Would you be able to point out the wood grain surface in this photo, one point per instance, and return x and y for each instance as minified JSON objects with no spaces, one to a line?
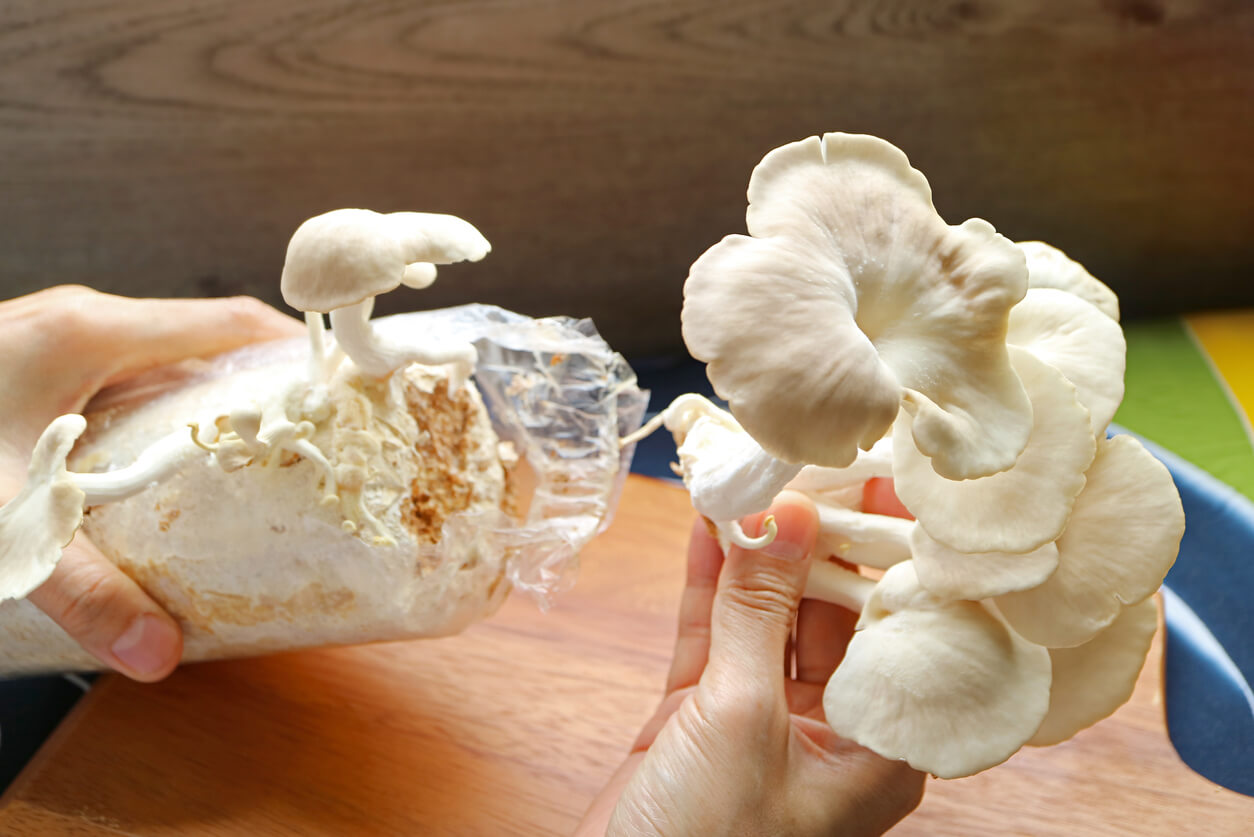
{"x":170,"y":147}
{"x":512,"y":727}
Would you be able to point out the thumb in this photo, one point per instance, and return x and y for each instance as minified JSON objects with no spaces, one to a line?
{"x":759,"y":592}
{"x":109,"y":614}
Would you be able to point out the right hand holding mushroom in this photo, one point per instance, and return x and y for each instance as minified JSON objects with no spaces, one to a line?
{"x":739,"y":744}
{"x":61,"y":346}
{"x":857,"y":336}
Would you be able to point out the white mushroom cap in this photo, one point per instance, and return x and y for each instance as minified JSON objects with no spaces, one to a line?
{"x":1120,"y":542}
{"x":950,"y":574}
{"x":944,"y":685}
{"x":1082,"y":343}
{"x":342,"y":257}
{"x":1092,"y":680}
{"x":1017,"y":510}
{"x":850,"y":295}
{"x":1049,"y":267}
{"x":42,"y":519}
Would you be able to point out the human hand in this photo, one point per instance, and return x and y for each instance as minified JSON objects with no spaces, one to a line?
{"x":739,"y":744}
{"x":59,"y":348}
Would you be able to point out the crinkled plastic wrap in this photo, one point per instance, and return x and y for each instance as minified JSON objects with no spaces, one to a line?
{"x":250,"y":562}
{"x":563,"y":398}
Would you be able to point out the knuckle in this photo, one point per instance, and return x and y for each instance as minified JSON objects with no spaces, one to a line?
{"x":700,"y":715}
{"x":243,"y":307}
{"x":763,"y":595}
{"x":247,"y":311}
{"x":62,"y":293}
{"x":249,"y":315}
{"x":71,"y":312}
{"x":696,"y":626}
{"x":97,"y":599}
{"x":747,"y":709}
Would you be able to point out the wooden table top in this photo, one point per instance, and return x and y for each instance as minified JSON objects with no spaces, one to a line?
{"x":511,"y":728}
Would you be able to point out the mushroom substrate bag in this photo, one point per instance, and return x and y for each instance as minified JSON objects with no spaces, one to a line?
{"x":447,"y":500}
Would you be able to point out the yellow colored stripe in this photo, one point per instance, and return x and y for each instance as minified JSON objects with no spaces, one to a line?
{"x":1228,"y":340}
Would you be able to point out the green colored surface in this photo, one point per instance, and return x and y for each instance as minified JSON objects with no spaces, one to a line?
{"x":1174,"y":399}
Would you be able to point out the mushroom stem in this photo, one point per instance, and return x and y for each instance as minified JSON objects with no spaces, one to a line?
{"x":157,"y":463}
{"x":317,"y":345}
{"x":310,"y":451}
{"x":644,"y":431}
{"x":733,"y":532}
{"x":246,"y":422}
{"x":841,"y":527}
{"x":208,"y":447}
{"x":679,"y":416}
{"x":876,"y":462}
{"x":830,"y":582}
{"x":378,"y":355}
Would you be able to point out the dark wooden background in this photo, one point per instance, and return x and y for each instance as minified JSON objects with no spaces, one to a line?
{"x":170,"y":147}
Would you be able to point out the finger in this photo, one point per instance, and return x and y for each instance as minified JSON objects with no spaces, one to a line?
{"x":804,"y":699}
{"x":758,"y":594}
{"x":649,"y":732}
{"x":122,"y":336}
{"x":74,"y":341}
{"x":144,"y":333}
{"x":596,"y":821}
{"x":109,"y":614}
{"x":790,"y":650}
{"x":692,"y":643}
{"x":598,"y":815}
{"x":866,"y":793}
{"x":823,"y":633}
{"x":880,"y":497}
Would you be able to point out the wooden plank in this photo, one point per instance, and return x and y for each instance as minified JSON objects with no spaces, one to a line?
{"x":171,"y":147}
{"x":511,"y":728}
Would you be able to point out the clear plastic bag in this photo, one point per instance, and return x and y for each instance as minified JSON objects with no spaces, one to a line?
{"x":563,"y":398}
{"x":209,"y":547}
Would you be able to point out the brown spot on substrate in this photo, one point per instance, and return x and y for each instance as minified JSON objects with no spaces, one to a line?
{"x":204,"y":609}
{"x":168,"y":518}
{"x":439,"y":490}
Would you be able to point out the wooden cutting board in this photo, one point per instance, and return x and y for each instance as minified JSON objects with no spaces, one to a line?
{"x":511,"y":728}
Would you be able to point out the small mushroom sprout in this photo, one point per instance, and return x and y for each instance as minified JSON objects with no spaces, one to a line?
{"x":860,"y":342}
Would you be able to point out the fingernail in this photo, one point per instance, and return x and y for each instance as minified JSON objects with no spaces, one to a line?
{"x":787,"y":544}
{"x":147,"y":645}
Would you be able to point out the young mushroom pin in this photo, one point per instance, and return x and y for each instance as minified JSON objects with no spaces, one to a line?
{"x":338,"y":262}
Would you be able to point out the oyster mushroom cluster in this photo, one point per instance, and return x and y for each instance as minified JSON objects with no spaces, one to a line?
{"x":858,"y":337}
